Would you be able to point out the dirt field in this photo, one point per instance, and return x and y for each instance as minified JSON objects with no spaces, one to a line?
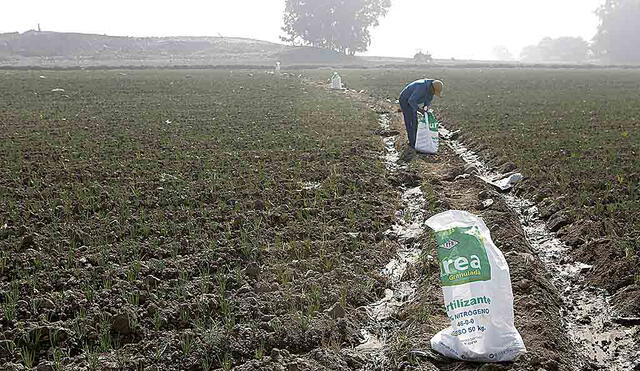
{"x":218,"y":220}
{"x":183,"y":220}
{"x":574,"y":134}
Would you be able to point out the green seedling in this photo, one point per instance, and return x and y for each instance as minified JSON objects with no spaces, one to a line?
{"x":157,"y":320}
{"x":58,"y":358}
{"x":206,"y":363}
{"x":303,"y":320}
{"x":134,"y":298}
{"x":9,"y":306}
{"x":186,"y":343}
{"x":313,"y":299}
{"x":92,"y":357}
{"x":226,"y":362}
{"x":343,"y":297}
{"x":107,"y":283}
{"x":221,"y":280}
{"x":134,"y":271}
{"x":88,"y":291}
{"x":284,"y":276}
{"x":185,"y":315}
{"x":28,"y":357}
{"x":259,"y":352}
{"x":106,"y":342}
{"x":3,"y":261}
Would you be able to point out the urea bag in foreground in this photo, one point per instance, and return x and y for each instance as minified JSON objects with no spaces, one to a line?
{"x":477,"y":292}
{"x":427,"y":139}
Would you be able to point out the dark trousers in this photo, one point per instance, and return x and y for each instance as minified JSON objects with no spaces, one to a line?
{"x":410,"y":121}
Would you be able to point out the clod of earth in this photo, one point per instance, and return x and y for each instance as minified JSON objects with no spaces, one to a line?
{"x":454,"y":135}
{"x":508,"y":167}
{"x":5,"y":347}
{"x":253,"y":270}
{"x":627,"y":321}
{"x":548,"y":207}
{"x":27,"y":241}
{"x":485,"y":194}
{"x":575,"y":241}
{"x":407,"y":179}
{"x":386,"y":132}
{"x":151,"y":281}
{"x":121,"y":324}
{"x":471,"y":169}
{"x":558,"y":220}
{"x":45,"y":366}
{"x":336,"y":311}
{"x":492,"y":367}
{"x":454,"y":173}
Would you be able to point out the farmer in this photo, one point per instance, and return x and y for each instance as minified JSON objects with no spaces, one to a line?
{"x":417,"y":93}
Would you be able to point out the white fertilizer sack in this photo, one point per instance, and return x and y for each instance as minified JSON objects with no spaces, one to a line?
{"x":477,"y":292}
{"x":336,"y":81}
{"x":427,"y":139}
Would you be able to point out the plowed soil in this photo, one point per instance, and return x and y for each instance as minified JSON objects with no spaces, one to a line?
{"x":199,"y":220}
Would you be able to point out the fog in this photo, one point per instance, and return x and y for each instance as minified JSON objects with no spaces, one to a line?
{"x":464,"y":29}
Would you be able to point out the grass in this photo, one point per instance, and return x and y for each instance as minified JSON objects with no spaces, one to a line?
{"x":150,"y":192}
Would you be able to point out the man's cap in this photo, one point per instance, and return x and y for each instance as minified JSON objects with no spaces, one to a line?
{"x":437,"y":87}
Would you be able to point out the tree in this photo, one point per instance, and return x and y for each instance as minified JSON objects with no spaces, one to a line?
{"x":562,"y":49}
{"x":421,"y":57}
{"x":618,"y":37}
{"x":502,"y":53}
{"x":340,"y":25}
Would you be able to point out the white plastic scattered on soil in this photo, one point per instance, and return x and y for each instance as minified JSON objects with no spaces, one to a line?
{"x":487,"y":203}
{"x":391,"y":155}
{"x":307,"y":186}
{"x":371,"y":342}
{"x":408,"y":227}
{"x":506,"y":181}
{"x":587,"y":313}
{"x":164,"y":177}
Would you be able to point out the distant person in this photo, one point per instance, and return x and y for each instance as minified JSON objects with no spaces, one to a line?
{"x":417,"y":97}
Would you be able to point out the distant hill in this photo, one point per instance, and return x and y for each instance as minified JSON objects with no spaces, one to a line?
{"x":60,"y":46}
{"x":46,"y":49}
{"x":61,"y":49}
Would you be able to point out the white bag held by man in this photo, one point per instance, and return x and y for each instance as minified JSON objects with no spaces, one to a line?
{"x":427,"y":139}
{"x":477,"y":292}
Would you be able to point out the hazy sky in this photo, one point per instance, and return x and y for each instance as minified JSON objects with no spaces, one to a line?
{"x":447,"y":28}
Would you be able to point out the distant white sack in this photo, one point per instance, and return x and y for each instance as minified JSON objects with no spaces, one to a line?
{"x":336,"y":81}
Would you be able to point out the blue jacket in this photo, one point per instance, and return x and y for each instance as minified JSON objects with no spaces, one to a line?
{"x":417,"y":92}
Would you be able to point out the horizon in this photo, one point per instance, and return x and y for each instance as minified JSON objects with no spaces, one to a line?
{"x":477,"y":29}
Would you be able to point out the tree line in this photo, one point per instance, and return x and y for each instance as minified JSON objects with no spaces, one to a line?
{"x":616,"y":41}
{"x":344,"y":26}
